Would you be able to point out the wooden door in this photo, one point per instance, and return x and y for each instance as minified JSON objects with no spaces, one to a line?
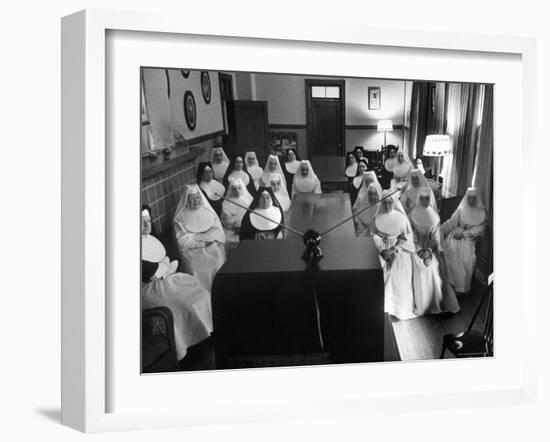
{"x":248,"y":128}
{"x":325,"y":104}
{"x":226,"y":94}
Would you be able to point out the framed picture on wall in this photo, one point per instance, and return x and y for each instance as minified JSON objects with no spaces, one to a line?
{"x":374,"y":98}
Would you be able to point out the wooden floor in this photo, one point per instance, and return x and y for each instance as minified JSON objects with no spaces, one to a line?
{"x":422,"y":338}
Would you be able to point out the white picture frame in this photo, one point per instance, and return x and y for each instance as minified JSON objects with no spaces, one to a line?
{"x":86,"y":234}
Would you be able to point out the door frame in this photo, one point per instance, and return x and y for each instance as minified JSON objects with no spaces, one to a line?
{"x":309,"y":127}
{"x":221,"y":77}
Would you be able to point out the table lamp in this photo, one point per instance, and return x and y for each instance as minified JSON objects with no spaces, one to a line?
{"x":437,"y":146}
{"x":385,"y":126}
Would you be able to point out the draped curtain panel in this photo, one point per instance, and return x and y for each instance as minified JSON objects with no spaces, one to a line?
{"x":465,"y":112}
{"x":464,"y":104}
{"x":484,"y":179}
{"x":419,"y":118}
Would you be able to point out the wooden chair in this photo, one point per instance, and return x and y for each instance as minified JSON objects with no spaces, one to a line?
{"x":474,"y":343}
{"x":158,"y":346}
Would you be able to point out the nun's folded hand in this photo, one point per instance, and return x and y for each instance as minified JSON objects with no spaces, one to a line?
{"x":401,"y":238}
{"x":387,"y":254}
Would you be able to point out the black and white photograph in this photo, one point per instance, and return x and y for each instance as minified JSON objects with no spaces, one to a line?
{"x":297,"y":220}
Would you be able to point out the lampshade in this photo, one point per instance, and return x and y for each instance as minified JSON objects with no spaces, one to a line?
{"x":385,"y":126}
{"x":437,"y":146}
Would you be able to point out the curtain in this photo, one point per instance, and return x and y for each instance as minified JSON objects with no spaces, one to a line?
{"x":427,"y":117}
{"x":418,"y":119}
{"x":483,"y":179}
{"x":463,"y":107}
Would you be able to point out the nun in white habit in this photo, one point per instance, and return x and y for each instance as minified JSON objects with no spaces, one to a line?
{"x":236,"y":196}
{"x":220,"y":163}
{"x":432,"y":293}
{"x":461,"y":230}
{"x":401,"y":170}
{"x":369,"y":178}
{"x":200,"y":236}
{"x":276,"y":184}
{"x":393,"y":238}
{"x":253,"y":168}
{"x":305,"y":180}
{"x":161,"y":285}
{"x":409,"y":195}
{"x":366,"y":210}
{"x":272,"y":165}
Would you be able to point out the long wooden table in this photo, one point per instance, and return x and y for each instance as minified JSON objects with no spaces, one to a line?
{"x":320,"y":212}
{"x":271,"y":309}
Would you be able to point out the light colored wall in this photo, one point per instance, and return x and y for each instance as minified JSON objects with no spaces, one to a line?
{"x":158,"y":106}
{"x":209,"y":116}
{"x":391,"y":101}
{"x":243,"y":84}
{"x":167,"y":114}
{"x":285,"y":95}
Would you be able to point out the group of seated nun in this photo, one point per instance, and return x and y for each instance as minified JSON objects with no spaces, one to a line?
{"x":425,"y":264}
{"x":215,"y":214}
{"x":162,"y":285}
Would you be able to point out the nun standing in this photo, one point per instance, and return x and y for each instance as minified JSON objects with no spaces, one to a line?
{"x":357,"y":181}
{"x":238,"y":170}
{"x":461,"y":231}
{"x":432,"y":292}
{"x":200,"y":236}
{"x":305,"y":180}
{"x":212,"y":189}
{"x":220,"y":163}
{"x":279,"y":190}
{"x":292,"y":163}
{"x":264,"y":217}
{"x":365,"y":210}
{"x":161,"y":285}
{"x":253,"y":167}
{"x":393,"y":238}
{"x":237,"y":198}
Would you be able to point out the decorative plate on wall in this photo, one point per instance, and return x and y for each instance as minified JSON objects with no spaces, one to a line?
{"x":190,"y":110}
{"x":206,"y":87}
{"x":185,"y":73}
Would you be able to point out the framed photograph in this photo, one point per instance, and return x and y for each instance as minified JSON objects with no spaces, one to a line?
{"x":206,"y":87}
{"x":190,"y":110}
{"x":105,"y":186}
{"x":374,"y":98}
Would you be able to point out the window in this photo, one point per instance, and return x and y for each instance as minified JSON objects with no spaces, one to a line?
{"x":325,"y":92}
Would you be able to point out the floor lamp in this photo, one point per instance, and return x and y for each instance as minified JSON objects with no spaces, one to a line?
{"x":385,"y":126}
{"x":437,"y":146}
